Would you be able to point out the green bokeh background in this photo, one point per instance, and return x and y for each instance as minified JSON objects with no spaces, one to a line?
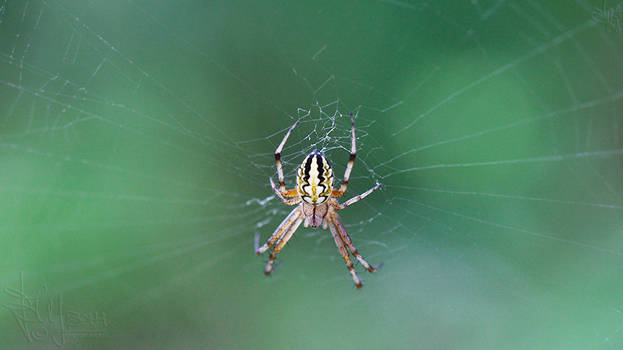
{"x":136,"y":142}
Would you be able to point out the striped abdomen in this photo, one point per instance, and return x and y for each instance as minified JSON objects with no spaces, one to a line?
{"x":315,"y":179}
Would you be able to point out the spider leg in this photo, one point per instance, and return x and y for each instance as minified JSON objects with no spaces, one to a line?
{"x":351,"y":161}
{"x":346,"y":239}
{"x":340,"y":246}
{"x":283,"y":227}
{"x":355,"y":199}
{"x":280,"y":244}
{"x":282,"y":184}
{"x":281,"y":196}
{"x":291,"y":193}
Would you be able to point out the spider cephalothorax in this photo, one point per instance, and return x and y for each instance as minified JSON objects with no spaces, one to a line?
{"x":317,"y":206}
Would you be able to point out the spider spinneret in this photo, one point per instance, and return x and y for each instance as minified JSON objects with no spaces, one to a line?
{"x":317,"y":205}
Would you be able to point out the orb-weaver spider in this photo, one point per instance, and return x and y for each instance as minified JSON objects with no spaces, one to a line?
{"x":315,"y":195}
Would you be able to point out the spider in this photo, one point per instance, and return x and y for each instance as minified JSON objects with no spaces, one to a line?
{"x":317,"y":205}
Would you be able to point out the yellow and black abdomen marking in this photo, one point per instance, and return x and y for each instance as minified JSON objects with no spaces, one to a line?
{"x":315,"y":179}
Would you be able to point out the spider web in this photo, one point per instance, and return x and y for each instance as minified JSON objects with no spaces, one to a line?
{"x":137,"y":139}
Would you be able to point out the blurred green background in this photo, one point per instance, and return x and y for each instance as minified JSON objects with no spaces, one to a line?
{"x":136,"y":142}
